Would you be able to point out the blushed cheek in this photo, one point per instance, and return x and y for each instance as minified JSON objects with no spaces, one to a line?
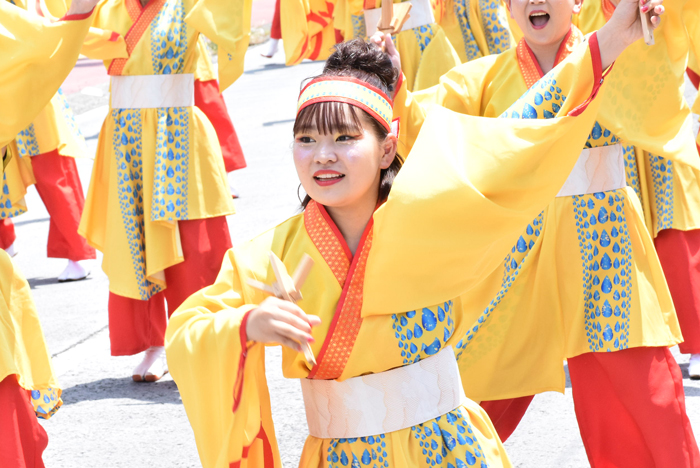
{"x":303,"y":158}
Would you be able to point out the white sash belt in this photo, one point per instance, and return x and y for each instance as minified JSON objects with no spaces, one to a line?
{"x":597,"y":170}
{"x":152,"y":91}
{"x":385,"y":402}
{"x":421,"y":14}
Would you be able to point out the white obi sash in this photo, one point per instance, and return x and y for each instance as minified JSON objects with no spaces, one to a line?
{"x":421,"y":15}
{"x":384,"y":402}
{"x":597,"y":170}
{"x":152,"y":91}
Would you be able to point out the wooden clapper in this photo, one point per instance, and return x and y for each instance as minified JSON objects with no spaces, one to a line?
{"x":393,"y":16}
{"x":288,"y":288}
{"x":647,"y":30}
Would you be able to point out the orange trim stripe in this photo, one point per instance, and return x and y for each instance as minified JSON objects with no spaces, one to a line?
{"x":328,"y":240}
{"x":135,"y":33}
{"x":530,"y":68}
{"x":608,"y":9}
{"x":347,"y":319}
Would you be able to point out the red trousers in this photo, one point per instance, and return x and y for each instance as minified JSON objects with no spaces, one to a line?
{"x":60,"y":189}
{"x":630,"y":408}
{"x":679,"y":253}
{"x":22,"y":439}
{"x":694,"y":78}
{"x":276,"y":29}
{"x":210,"y":101}
{"x":134,"y":325}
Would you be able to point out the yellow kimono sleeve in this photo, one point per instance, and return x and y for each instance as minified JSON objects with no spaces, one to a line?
{"x":468,"y":189}
{"x":459,"y":90}
{"x":102,"y":44}
{"x":226,"y":23}
{"x":644,"y":102}
{"x":209,"y":362}
{"x":36,"y":57}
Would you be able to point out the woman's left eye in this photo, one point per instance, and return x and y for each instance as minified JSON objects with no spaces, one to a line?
{"x":345,"y":138}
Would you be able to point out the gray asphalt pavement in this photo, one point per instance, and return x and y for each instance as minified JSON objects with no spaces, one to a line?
{"x":108,"y":420}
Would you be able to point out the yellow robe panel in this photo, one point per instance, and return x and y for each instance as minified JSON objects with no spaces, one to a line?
{"x":169,"y":157}
{"x":307,"y":29}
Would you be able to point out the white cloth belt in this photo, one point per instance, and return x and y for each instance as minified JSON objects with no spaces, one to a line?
{"x":421,"y":14}
{"x":152,"y":91}
{"x":388,"y":401}
{"x":597,"y":170}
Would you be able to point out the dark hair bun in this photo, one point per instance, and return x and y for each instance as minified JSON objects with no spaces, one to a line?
{"x":364,"y":61}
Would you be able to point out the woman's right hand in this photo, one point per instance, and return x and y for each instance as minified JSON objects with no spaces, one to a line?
{"x":386,"y":44}
{"x":283,"y":322}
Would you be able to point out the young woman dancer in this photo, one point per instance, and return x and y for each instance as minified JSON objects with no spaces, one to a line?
{"x":583,"y":282}
{"x":158,"y":196}
{"x":388,"y":289}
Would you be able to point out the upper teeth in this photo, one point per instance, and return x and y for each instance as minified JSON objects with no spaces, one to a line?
{"x":539,"y":13}
{"x":328,"y":176}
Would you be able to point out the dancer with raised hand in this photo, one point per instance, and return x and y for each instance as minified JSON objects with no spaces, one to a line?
{"x":582,"y":282}
{"x":667,"y":187}
{"x":386,"y":297}
{"x":37,"y":55}
{"x":159,"y":196}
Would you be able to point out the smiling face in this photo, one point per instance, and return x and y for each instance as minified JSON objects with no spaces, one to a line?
{"x":544,"y":23}
{"x":340,"y":167}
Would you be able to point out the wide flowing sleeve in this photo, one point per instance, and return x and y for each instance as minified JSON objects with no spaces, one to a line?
{"x":471,"y":185}
{"x":36,"y":57}
{"x":227,"y":24}
{"x":644,"y":102}
{"x":459,"y":90}
{"x":220,"y":376}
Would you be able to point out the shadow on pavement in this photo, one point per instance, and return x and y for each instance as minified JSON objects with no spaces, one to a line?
{"x":38,"y":282}
{"x":31,"y":221}
{"x":164,"y":392}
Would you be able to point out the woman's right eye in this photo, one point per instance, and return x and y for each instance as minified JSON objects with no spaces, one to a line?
{"x":304,"y":139}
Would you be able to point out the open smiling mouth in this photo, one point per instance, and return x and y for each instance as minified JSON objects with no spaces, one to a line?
{"x":328,"y":179}
{"x":539,"y":19}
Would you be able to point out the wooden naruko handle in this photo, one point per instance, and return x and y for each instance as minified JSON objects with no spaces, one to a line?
{"x":647,"y":28}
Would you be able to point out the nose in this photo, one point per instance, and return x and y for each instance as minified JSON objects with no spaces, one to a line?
{"x":325,"y":153}
{"x":537,"y":2}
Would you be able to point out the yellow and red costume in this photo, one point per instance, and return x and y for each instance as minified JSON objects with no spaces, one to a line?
{"x":393,"y":305}
{"x":583,"y":282}
{"x":158,"y":196}
{"x":36,"y":55}
{"x":670,"y":193}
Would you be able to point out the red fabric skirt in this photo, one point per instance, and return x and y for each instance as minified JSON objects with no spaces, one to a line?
{"x":210,"y":101}
{"x":276,"y":30}
{"x":679,"y":253}
{"x":59,"y":187}
{"x":630,"y":408}
{"x":7,"y":233}
{"x":506,"y":414}
{"x":694,"y":78}
{"x":134,"y":325}
{"x":22,"y":439}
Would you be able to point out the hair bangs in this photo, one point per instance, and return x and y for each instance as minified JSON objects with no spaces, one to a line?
{"x":328,"y":118}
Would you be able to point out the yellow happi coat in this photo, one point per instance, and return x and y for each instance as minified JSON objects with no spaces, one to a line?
{"x":426,"y":53}
{"x":53,"y":129}
{"x":668,"y":188}
{"x":583,"y":276}
{"x":36,"y":55}
{"x":477,"y":28}
{"x":157,"y":166}
{"x":452,"y":213}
